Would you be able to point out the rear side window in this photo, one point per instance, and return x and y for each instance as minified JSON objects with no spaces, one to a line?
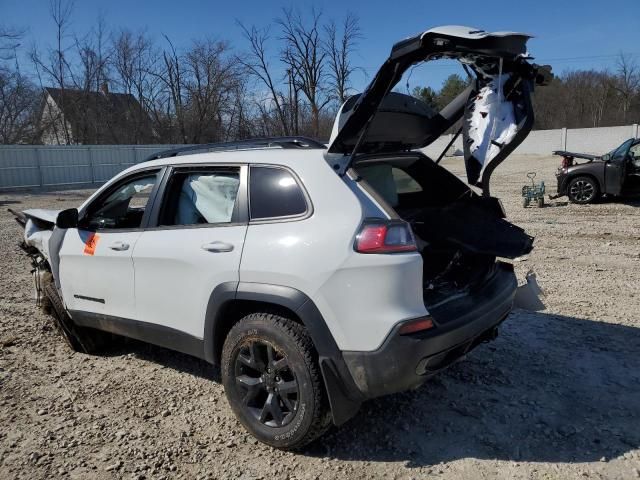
{"x":273,"y":193}
{"x":201,"y":196}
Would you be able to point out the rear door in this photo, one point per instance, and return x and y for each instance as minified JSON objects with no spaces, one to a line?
{"x":194,"y":243}
{"x":96,"y":270}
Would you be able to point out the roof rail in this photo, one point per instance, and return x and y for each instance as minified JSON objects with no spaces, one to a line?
{"x":257,"y":143}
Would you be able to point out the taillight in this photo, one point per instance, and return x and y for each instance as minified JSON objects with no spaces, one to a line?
{"x":380,"y":236}
{"x":566,"y":162}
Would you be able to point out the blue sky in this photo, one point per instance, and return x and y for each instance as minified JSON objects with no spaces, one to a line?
{"x":570,"y":34}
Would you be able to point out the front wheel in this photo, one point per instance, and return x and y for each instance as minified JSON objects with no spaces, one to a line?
{"x":582,"y":190}
{"x":272,"y":381}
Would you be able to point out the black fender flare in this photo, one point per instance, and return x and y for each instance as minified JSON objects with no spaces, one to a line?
{"x":344,"y":396}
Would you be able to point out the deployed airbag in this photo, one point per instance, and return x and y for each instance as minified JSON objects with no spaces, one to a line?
{"x":211,"y":197}
{"x":490,"y":123}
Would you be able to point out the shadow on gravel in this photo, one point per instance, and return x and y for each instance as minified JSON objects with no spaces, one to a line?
{"x":550,"y":389}
{"x":162,"y":356}
{"x":632,"y":201}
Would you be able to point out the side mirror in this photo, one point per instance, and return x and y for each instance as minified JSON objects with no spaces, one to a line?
{"x":67,"y":218}
{"x":606,"y":157}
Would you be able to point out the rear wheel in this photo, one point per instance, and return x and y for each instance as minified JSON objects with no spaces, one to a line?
{"x":272,"y":381}
{"x":582,"y":190}
{"x":540,"y":202}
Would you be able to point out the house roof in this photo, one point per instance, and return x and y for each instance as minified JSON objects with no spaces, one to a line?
{"x":102,"y":118}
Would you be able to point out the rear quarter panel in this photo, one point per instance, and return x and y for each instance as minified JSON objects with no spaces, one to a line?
{"x":359,"y":296}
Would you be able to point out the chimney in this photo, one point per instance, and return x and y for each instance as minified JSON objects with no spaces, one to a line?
{"x":104,"y":88}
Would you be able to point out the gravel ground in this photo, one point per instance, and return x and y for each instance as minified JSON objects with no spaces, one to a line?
{"x":556,"y":396}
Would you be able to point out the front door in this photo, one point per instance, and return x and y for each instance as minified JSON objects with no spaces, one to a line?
{"x":631,"y":184}
{"x":96,"y":269}
{"x":614,"y":169}
{"x":194,"y":246}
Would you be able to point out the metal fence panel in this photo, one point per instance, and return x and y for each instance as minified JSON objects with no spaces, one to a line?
{"x":19,"y":167}
{"x":107,"y":161}
{"x":65,"y":167}
{"x":45,"y":166}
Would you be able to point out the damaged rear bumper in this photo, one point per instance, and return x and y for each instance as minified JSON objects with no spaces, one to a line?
{"x":405,"y":362}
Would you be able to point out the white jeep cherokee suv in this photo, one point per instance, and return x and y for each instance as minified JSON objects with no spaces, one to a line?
{"x":315,"y":277}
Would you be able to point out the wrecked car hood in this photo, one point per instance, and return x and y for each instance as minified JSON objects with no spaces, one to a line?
{"x":496,"y":106}
{"x":38,"y":226}
{"x":586,"y":156}
{"x":42,"y":214}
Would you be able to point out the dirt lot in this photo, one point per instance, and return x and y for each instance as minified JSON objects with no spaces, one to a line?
{"x":556,"y":396}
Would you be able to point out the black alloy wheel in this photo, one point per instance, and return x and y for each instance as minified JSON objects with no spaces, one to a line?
{"x":272,"y":380}
{"x":270,"y":386}
{"x":582,"y":190}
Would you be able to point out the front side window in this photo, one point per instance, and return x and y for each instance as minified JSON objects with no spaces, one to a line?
{"x":123,"y":207}
{"x":202,"y":196}
{"x":274,"y":192}
{"x":620,"y":153}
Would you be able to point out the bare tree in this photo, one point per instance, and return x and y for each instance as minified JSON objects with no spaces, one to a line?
{"x":211,"y":83}
{"x":18,"y":103}
{"x":172,"y":75}
{"x":340,"y":47}
{"x":55,"y":66}
{"x":133,"y":61}
{"x":627,"y":82}
{"x":305,"y":56}
{"x":93,"y":53}
{"x":9,"y":41}
{"x":257,"y":65}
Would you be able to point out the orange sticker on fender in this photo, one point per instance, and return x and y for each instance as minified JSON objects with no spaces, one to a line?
{"x":91,"y":244}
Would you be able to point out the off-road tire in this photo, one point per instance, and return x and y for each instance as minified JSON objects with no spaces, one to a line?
{"x":582,"y":190}
{"x":290,"y":343}
{"x":540,"y":202}
{"x":79,"y":339}
{"x":525,"y":202}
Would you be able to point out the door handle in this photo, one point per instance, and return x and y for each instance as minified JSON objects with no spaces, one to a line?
{"x":217,"y":247}
{"x":119,"y":246}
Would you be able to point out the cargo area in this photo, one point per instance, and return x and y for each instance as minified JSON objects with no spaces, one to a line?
{"x":459,"y":233}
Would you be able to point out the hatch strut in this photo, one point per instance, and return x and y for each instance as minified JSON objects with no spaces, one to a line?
{"x":361,"y":138}
{"x":449,"y":145}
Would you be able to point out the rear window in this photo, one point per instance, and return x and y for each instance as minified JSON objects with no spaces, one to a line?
{"x":274,"y":193}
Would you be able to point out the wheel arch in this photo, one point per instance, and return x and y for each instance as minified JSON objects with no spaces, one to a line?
{"x":230,"y":301}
